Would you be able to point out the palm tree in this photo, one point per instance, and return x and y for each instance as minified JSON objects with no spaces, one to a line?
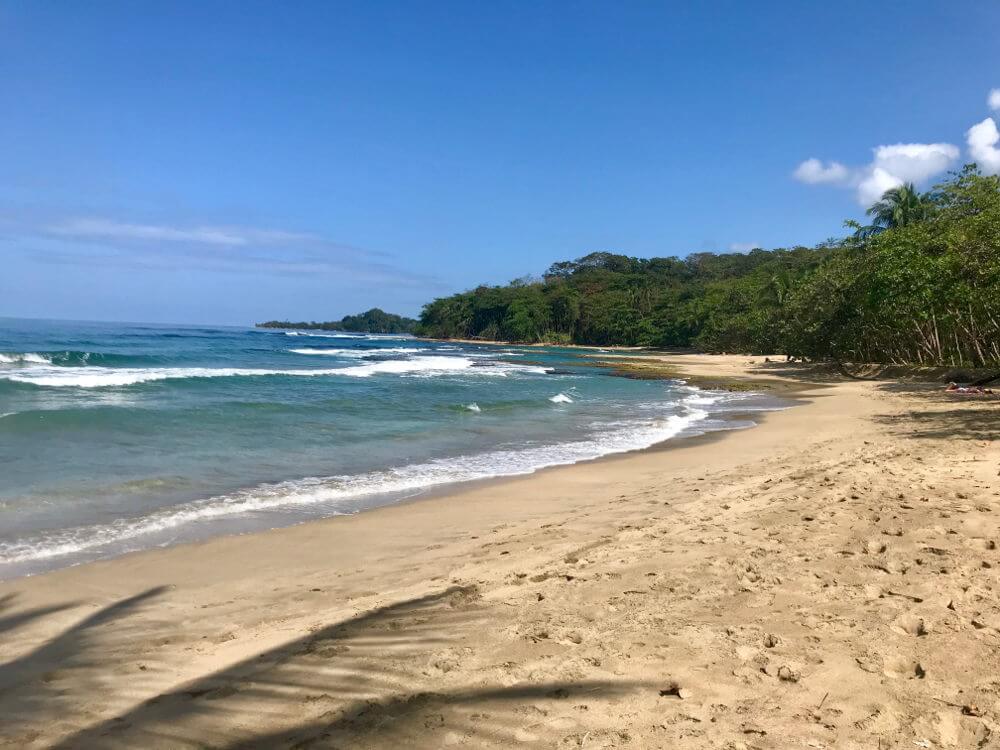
{"x":898,"y":207}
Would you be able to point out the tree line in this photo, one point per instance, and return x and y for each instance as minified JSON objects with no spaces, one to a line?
{"x":919,"y":284}
{"x":372,"y":321}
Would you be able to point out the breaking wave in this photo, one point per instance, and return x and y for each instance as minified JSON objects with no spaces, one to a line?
{"x":109,"y":377}
{"x":334,"y":494}
{"x":356,"y":353}
{"x":16,"y":358}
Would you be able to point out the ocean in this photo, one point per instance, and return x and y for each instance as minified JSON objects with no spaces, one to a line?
{"x":121,"y":437}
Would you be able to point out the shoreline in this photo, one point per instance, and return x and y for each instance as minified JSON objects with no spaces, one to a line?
{"x":539,"y":344}
{"x":444,"y":491}
{"x":566,"y":606}
{"x":285,"y":518}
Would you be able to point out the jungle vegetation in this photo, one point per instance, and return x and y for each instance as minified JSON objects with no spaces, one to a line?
{"x":372,"y":321}
{"x":920,"y":284}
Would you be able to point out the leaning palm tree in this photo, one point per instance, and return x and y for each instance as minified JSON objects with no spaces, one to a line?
{"x":898,"y":207}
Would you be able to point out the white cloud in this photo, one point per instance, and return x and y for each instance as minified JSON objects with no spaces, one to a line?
{"x":874,"y":184}
{"x":902,"y":162}
{"x":982,"y":139}
{"x":890,"y":167}
{"x":893,"y":165}
{"x":814,"y":172}
{"x":105,"y":229}
{"x":223,"y":249}
{"x":743,"y":247}
{"x":915,"y":162}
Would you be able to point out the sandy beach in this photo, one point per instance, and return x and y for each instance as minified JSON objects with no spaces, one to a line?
{"x":825,"y":580}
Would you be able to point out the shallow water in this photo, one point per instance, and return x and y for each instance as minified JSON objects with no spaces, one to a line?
{"x":117,"y":437}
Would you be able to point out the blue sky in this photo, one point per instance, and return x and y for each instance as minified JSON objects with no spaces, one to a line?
{"x":226,"y":162}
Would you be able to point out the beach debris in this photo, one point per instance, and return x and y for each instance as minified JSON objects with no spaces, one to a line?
{"x":967,"y":709}
{"x":445,"y":664}
{"x":912,"y":625}
{"x":787,"y":674}
{"x":912,"y":598}
{"x":867,"y":664}
{"x":674,"y":688}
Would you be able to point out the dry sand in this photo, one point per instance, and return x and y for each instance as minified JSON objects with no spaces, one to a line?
{"x":826,"y":580}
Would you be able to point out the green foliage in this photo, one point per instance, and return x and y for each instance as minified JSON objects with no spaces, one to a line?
{"x":899,"y":207}
{"x":925,"y":291}
{"x":922,"y":285}
{"x":372,"y":321}
{"x":605,"y":299}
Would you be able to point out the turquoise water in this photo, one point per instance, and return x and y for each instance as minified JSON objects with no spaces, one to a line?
{"x":117,"y":437}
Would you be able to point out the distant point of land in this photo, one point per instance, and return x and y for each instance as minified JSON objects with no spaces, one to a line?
{"x":372,"y":321}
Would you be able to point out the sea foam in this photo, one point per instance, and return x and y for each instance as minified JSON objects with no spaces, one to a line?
{"x":109,"y":377}
{"x":356,"y":353}
{"x":361,"y":336}
{"x":334,"y":491}
{"x":17,"y":358}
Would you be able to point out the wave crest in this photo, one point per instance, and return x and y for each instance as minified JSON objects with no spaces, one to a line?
{"x":110,"y":377}
{"x":19,"y":358}
{"x":356,"y":353}
{"x":337,"y":491}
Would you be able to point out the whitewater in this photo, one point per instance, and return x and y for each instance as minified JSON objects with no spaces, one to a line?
{"x":124,"y":437}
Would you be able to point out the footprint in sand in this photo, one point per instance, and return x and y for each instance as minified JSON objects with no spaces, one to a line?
{"x":875,"y":547}
{"x":909,"y":624}
{"x":903,"y":668}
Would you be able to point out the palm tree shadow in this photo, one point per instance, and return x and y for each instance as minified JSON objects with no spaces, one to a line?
{"x":813,"y":373}
{"x":943,"y":414}
{"x":349,"y":682}
{"x":14,"y":621}
{"x":419,"y":720}
{"x":39,"y":685}
{"x":976,"y":422}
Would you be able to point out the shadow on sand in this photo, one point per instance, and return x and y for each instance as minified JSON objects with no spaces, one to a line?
{"x":945,"y":415}
{"x":42,"y":684}
{"x":361,"y":682}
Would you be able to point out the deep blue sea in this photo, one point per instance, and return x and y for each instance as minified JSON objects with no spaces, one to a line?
{"x":118,"y":437}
